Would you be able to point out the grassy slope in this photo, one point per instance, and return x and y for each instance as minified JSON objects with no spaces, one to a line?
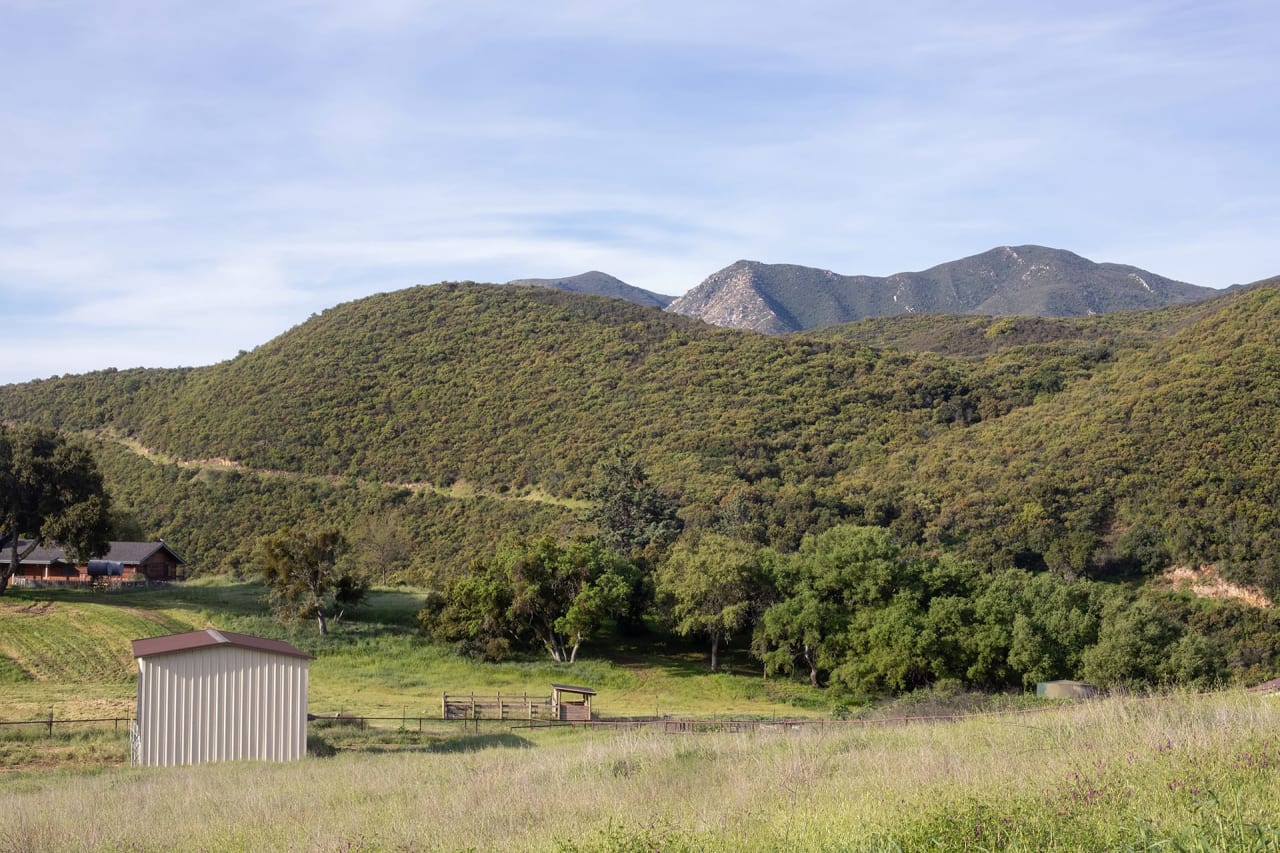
{"x":1182,"y":772}
{"x":68,"y":651}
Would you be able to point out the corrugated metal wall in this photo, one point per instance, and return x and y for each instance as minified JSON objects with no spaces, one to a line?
{"x":221,"y":704}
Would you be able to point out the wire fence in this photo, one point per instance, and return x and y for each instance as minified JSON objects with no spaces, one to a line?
{"x":49,"y":722}
{"x":671,"y":724}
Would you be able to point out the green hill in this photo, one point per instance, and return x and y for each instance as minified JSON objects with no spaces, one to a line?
{"x":1169,"y":439}
{"x":460,"y":413}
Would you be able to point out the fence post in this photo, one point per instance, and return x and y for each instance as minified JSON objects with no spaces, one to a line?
{"x":444,"y":706}
{"x":50,"y":722}
{"x":500,"y":708}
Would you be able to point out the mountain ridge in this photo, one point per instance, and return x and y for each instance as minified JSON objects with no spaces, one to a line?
{"x":1007,"y":280}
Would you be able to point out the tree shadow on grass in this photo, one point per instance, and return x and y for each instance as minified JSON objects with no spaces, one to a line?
{"x":475,"y":743}
{"x":681,"y":658}
{"x":320,"y":747}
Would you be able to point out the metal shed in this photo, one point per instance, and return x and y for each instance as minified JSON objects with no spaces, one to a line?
{"x":217,"y":696}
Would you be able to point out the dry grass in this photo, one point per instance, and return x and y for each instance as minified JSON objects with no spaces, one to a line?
{"x":1179,"y":772}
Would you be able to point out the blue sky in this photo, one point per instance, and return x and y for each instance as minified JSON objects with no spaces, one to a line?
{"x":183,"y":180}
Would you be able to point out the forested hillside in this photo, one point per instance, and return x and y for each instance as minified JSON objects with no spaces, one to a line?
{"x":1093,"y":446}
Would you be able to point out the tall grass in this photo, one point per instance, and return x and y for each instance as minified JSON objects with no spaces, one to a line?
{"x":1173,"y":773}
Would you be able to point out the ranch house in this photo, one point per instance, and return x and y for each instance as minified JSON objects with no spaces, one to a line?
{"x":124,"y":561}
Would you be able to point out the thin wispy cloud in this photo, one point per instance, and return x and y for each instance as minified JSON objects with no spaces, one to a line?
{"x":211,"y":174}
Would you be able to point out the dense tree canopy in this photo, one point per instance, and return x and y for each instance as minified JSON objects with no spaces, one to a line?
{"x":545,"y":593}
{"x":50,"y":491}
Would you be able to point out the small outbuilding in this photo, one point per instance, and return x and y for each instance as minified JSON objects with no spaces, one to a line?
{"x":217,"y":696}
{"x":1066,"y":690}
{"x":571,"y":703}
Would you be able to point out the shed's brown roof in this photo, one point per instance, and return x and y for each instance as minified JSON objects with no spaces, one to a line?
{"x":210,"y":638}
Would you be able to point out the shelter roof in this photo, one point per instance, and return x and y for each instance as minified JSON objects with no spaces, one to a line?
{"x":212,"y":638}
{"x":569,"y":688}
{"x":136,"y":552}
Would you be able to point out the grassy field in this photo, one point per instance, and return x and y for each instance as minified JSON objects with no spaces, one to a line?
{"x":1170,"y":773}
{"x":1180,"y":772}
{"x":67,"y":651}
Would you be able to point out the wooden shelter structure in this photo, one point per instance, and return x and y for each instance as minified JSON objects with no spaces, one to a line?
{"x":570,"y":703}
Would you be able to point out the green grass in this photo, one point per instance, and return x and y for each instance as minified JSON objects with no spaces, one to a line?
{"x":1171,"y":773}
{"x":69,"y":651}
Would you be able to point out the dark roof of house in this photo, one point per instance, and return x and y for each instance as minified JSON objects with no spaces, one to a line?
{"x":212,"y":638}
{"x":42,"y":554}
{"x":569,"y":688}
{"x":132,"y":553}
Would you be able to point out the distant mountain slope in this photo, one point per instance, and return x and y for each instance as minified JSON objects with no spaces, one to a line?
{"x":598,"y":284}
{"x":1022,"y":280}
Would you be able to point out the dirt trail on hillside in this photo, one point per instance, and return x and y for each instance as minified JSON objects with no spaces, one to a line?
{"x":460,"y":490}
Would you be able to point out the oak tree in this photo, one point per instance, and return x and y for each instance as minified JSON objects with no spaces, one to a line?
{"x":50,"y":492}
{"x":710,"y":586}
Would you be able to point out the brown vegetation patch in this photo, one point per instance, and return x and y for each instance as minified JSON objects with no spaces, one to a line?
{"x":35,"y":608}
{"x":1207,"y":582}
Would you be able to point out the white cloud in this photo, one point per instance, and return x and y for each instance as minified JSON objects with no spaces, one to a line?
{"x":229,"y":168}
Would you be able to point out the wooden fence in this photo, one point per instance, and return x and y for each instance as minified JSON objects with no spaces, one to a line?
{"x":469,"y":706}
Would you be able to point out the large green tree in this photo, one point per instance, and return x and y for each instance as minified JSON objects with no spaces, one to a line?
{"x":545,"y":593}
{"x":308,"y":574}
{"x":820,"y":588}
{"x":50,"y":491}
{"x":711,"y":585}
